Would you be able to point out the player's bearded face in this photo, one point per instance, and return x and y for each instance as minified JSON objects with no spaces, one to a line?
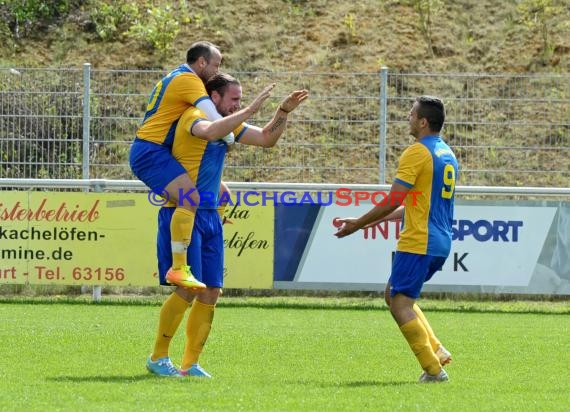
{"x":230,"y":101}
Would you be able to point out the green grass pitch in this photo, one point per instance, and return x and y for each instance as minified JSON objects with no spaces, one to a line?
{"x":285,"y":354}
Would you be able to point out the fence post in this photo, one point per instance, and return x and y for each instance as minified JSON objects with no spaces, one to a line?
{"x":383,"y":120}
{"x":97,"y":288}
{"x":86,"y":118}
{"x":85,"y":163}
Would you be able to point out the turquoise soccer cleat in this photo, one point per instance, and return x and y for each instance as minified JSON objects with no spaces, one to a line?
{"x":163,"y":367}
{"x":440,"y":377}
{"x":196,"y":370}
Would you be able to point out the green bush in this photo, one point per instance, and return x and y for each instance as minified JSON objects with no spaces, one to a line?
{"x":24,"y":18}
{"x":159,"y":28}
{"x":112,"y":20}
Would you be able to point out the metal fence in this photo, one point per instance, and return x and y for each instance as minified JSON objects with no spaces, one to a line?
{"x":506,"y":129}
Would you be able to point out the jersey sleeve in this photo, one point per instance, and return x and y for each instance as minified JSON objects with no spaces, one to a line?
{"x":411,"y":163}
{"x":240,"y":130}
{"x":207,"y":107}
{"x":190,"y":88}
{"x":189,"y":119}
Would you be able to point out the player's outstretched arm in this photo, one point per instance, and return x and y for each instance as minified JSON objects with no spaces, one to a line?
{"x":376,"y":214}
{"x":272,"y":131}
{"x":221,"y":127}
{"x":397,"y":214}
{"x":207,"y":107}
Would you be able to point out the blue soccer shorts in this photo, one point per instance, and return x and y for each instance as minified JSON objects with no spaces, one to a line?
{"x":206,"y":251}
{"x":410,"y":271}
{"x":154,"y":164}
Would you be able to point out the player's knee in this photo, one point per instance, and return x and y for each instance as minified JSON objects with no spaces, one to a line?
{"x":209,"y":296}
{"x":185,"y":294}
{"x":186,"y":196}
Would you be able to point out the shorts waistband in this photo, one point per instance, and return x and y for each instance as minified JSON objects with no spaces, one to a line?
{"x":138,"y":139}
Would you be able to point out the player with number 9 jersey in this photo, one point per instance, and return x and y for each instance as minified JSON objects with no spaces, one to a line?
{"x":426,"y":175}
{"x":430,"y":168}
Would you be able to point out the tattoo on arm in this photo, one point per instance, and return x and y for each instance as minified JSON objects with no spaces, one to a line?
{"x":277,"y":124}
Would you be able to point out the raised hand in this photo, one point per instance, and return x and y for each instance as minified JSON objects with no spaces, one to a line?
{"x":261,"y":97}
{"x":291,"y":102}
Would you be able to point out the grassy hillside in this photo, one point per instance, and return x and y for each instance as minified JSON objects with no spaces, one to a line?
{"x":321,"y":37}
{"x":296,"y":35}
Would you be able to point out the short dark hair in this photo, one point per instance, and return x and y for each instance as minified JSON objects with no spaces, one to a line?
{"x":200,"y":49}
{"x":219,"y":82}
{"x":431,"y":108}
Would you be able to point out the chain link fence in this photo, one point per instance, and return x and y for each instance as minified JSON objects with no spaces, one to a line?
{"x":506,"y":129}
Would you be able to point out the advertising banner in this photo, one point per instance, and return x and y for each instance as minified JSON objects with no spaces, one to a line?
{"x":496,"y":248}
{"x":77,"y":238}
{"x":249,"y":245}
{"x":110,"y":239}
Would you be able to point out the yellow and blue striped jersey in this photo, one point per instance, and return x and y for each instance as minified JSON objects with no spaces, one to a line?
{"x":203,"y":160}
{"x":171,"y":96}
{"x":429,"y":167}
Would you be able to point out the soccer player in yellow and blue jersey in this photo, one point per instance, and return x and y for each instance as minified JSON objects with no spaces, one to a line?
{"x":428,"y":167}
{"x":150,"y":157}
{"x":197,"y":148}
